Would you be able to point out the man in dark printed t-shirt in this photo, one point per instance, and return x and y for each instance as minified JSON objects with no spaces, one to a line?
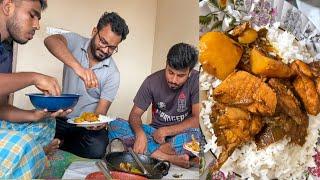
{"x":174,"y":95}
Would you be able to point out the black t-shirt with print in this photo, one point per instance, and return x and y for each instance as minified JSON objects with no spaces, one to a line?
{"x":169,"y":106}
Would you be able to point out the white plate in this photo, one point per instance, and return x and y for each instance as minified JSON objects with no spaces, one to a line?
{"x":102,"y":120}
{"x":196,"y":153}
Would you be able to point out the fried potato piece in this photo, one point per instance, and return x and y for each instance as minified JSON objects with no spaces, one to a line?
{"x":89,"y":116}
{"x":194,"y":145}
{"x":263,"y":65}
{"x":244,"y":90}
{"x":238,"y":30}
{"x":306,"y":89}
{"x":125,"y":166}
{"x":219,"y":54}
{"x":79,"y":120}
{"x":248,"y":36}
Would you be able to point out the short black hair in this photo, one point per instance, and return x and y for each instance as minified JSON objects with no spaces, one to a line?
{"x":117,"y":23}
{"x":182,"y":56}
{"x":44,"y":4}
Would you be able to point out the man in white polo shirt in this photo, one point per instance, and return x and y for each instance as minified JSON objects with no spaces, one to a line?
{"x":89,"y":70}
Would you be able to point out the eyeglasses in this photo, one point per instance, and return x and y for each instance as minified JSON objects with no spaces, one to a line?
{"x":104,"y":44}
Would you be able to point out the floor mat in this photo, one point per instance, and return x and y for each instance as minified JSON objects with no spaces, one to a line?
{"x":57,"y":165}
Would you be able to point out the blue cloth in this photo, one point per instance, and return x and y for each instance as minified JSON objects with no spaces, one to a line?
{"x":20,"y":156}
{"x":21,"y":148}
{"x":121,"y":129}
{"x":42,"y":132}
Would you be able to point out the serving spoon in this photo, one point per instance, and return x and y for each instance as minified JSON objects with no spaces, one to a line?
{"x":136,"y":158}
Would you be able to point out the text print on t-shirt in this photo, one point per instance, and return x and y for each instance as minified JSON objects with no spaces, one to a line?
{"x":166,"y":118}
{"x":182,"y":103}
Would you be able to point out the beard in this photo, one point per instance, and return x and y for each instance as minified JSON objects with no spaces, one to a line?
{"x":14,"y":28}
{"x":173,"y":85}
{"x":94,"y":51}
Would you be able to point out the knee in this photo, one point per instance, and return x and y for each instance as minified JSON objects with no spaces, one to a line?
{"x":97,"y":151}
{"x":118,"y":128}
{"x":112,"y":125}
{"x":118,"y":123}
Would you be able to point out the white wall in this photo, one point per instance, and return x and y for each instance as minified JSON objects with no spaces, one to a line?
{"x":155,"y":25}
{"x":177,"y":21}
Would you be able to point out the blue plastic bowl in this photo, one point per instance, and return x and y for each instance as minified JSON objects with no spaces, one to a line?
{"x":53,"y":103}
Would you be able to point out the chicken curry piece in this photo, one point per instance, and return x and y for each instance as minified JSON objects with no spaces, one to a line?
{"x":233,"y":127}
{"x":244,"y":90}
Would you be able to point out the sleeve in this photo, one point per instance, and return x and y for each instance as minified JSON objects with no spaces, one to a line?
{"x":195,"y":89}
{"x":110,"y":88}
{"x":143,"y":97}
{"x":72,"y":40}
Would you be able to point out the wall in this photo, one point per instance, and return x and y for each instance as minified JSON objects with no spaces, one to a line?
{"x":177,"y":21}
{"x":155,"y":25}
{"x":134,"y":58}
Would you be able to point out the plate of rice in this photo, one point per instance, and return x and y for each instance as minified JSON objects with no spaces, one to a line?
{"x":292,"y":37}
{"x":193,"y":146}
{"x":89,"y":119}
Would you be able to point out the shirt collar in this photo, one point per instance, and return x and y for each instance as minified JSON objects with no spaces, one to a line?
{"x":105,"y":62}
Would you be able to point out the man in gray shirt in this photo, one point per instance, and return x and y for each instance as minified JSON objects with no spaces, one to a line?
{"x":173,"y":93}
{"x":89,"y":70}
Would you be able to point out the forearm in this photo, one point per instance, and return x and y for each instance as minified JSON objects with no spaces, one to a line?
{"x":57,"y":46}
{"x":13,"y":114}
{"x":103,"y":107}
{"x":12,"y":82}
{"x":192,"y":122}
{"x":136,"y":124}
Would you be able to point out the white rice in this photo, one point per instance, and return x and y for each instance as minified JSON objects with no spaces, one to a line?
{"x":279,"y":160}
{"x":288,"y":47}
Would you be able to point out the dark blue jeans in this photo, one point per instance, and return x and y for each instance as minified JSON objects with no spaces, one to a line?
{"x":80,"y":141}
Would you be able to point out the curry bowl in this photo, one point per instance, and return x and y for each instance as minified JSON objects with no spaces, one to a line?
{"x":53,"y":103}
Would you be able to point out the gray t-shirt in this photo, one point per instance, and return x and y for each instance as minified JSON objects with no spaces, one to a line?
{"x":169,"y":106}
{"x":106,"y":71}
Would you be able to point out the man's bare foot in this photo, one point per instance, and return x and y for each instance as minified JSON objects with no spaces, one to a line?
{"x":50,"y":149}
{"x":181,"y":160}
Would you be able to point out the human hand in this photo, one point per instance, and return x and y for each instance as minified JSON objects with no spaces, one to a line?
{"x":97,"y":128}
{"x":88,"y":76}
{"x":47,"y":84}
{"x":159,"y":135}
{"x":38,"y":115}
{"x":61,"y":113}
{"x":140,"y":144}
